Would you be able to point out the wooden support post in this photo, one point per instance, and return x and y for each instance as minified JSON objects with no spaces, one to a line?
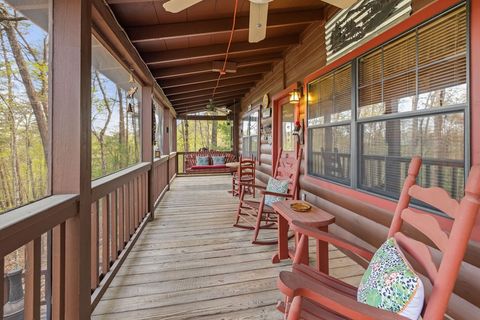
{"x":32,"y":279}
{"x":147,"y":143}
{"x":70,"y":132}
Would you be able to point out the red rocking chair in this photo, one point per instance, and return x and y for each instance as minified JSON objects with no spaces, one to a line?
{"x":256,"y":214}
{"x":244,"y":174}
{"x":314,"y":295}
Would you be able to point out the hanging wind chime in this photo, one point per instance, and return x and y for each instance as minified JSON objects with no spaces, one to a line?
{"x":131,"y":94}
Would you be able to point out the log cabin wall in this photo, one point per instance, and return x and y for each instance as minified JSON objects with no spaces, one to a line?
{"x":356,"y":220}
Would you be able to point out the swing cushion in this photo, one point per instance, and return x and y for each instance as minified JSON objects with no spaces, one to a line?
{"x":202,"y":161}
{"x":217,"y":160}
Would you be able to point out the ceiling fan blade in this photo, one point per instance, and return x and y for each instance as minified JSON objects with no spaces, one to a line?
{"x":343,"y":4}
{"x":175,"y":6}
{"x":258,"y":22}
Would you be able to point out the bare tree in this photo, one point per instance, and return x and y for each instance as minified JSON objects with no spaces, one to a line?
{"x":9,"y":23}
{"x":100,"y":135}
{"x":9,"y":103}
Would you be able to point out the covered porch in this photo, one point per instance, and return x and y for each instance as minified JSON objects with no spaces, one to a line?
{"x":106,"y":107}
{"x":190,"y":263}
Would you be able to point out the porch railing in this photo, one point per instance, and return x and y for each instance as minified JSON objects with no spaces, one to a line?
{"x":119,"y":212}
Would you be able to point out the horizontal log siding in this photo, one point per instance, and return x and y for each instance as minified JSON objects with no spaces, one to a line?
{"x":357,"y":221}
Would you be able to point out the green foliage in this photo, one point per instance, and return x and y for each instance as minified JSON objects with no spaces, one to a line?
{"x":200,"y":134}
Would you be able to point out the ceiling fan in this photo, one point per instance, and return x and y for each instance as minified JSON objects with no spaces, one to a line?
{"x":212,"y":108}
{"x":258,"y":13}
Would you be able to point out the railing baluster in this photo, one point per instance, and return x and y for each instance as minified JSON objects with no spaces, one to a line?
{"x":32,"y":279}
{"x":2,"y":286}
{"x":120,"y":213}
{"x":131,"y":209}
{"x":58,"y":273}
{"x":113,"y":227}
{"x":140,"y":197}
{"x":145,"y":195}
{"x":94,"y":247}
{"x":126,"y":210}
{"x":135,"y":201}
{"x":105,"y":235}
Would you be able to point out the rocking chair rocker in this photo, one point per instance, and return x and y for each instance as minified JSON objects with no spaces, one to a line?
{"x":263,"y":215}
{"x":314,"y":295}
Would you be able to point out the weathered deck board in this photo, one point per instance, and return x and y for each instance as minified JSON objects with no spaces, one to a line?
{"x":190,"y":263}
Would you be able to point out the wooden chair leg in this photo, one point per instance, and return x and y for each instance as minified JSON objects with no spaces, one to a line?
{"x":295,"y":309}
{"x":257,"y":227}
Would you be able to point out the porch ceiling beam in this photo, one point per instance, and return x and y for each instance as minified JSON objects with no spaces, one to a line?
{"x":218,"y":50}
{"x":225,"y":88}
{"x":193,"y":109}
{"x":210,"y":85}
{"x":213,"y":76}
{"x":206,"y":67}
{"x":203,"y":117}
{"x":203,"y":101}
{"x":211,"y":27}
{"x":200,"y":107}
{"x":209,"y":92}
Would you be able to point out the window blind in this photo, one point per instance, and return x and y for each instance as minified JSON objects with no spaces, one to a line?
{"x":421,"y":72}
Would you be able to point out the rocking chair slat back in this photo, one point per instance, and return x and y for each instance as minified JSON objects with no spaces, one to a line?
{"x":288,"y":168}
{"x":453,"y":245}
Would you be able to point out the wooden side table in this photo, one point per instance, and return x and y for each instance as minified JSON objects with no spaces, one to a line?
{"x":315,"y":217}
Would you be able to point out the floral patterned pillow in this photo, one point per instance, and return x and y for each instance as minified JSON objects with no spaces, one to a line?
{"x":202,"y":161}
{"x":278,"y":186}
{"x":390,"y":283}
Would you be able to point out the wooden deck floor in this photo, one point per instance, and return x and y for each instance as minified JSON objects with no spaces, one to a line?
{"x":190,"y":263}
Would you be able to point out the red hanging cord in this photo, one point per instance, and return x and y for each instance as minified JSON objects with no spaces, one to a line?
{"x":222,"y":72}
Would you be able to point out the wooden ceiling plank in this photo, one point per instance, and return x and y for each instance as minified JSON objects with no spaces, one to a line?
{"x":212,"y":84}
{"x":201,"y":78}
{"x":215,"y":26}
{"x":218,"y":50}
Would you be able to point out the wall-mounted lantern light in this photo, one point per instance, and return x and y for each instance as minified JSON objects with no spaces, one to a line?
{"x":295,"y":96}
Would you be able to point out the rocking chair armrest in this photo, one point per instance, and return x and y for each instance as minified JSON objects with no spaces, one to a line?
{"x":276,"y":194}
{"x":332,"y":239}
{"x":295,"y":285}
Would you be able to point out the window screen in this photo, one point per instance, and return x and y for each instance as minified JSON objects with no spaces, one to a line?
{"x":388,"y":146}
{"x":329,"y":154}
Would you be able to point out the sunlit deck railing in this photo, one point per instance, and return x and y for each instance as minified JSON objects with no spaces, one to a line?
{"x":120,"y":210}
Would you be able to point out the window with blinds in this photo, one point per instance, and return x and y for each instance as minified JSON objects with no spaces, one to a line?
{"x":415,"y":89}
{"x":410,"y":96}
{"x":329,"y":117}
